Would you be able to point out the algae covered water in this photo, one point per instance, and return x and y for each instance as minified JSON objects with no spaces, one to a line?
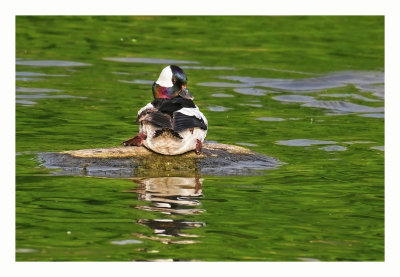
{"x":307,"y":91}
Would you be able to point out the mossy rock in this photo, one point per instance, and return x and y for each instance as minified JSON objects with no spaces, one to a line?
{"x":124,"y":162}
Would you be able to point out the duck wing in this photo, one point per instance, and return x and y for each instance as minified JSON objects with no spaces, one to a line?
{"x":155,"y":117}
{"x":176,"y":114}
{"x":170,"y":106}
{"x":188,"y":118}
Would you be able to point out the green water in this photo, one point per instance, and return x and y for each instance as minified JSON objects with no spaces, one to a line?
{"x":323,"y":204}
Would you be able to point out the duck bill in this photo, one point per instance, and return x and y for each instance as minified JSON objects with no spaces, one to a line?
{"x":184,"y":93}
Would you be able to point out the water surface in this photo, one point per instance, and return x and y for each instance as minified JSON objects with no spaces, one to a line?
{"x":318,"y":87}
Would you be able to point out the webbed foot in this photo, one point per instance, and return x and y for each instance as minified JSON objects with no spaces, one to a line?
{"x":199,"y":147}
{"x":136,"y":140}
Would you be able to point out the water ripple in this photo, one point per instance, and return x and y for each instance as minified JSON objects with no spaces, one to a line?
{"x":35,"y":74}
{"x":343,"y":106}
{"x":252,"y":105}
{"x":270,"y":119}
{"x":361,"y":79}
{"x":25,"y":102}
{"x":35,"y":90}
{"x":380,"y":148}
{"x":141,"y":82}
{"x":334,"y":148}
{"x":170,"y":195}
{"x":28,"y":79}
{"x":148,"y":60}
{"x":303,"y":142}
{"x":352,"y":95}
{"x":373,"y":115}
{"x":45,"y":96}
{"x":45,"y":63}
{"x":294,"y":98}
{"x":223,"y":95}
{"x":246,"y":144}
{"x":218,"y":108}
{"x":376,"y":89}
{"x":207,"y":67}
{"x":254,"y":91}
{"x":126,"y":242}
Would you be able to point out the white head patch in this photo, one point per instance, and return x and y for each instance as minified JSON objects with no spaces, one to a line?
{"x":165,"y":79}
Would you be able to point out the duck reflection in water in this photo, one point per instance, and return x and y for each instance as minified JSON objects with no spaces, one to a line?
{"x":171,"y":196}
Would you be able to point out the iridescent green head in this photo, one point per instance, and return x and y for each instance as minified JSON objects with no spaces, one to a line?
{"x":171,"y":83}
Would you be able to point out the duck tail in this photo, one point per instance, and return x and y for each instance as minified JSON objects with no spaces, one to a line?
{"x":159,"y":132}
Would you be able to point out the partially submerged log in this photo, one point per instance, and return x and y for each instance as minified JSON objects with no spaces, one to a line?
{"x":216,"y":159}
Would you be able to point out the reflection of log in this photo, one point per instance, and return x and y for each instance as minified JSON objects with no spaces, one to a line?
{"x":170,"y":195}
{"x":163,"y":187}
{"x":217,"y":159}
{"x":165,"y":240}
{"x":168,"y":210}
{"x":164,"y":227}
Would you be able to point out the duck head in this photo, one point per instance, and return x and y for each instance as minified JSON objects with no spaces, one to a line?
{"x":171,"y":83}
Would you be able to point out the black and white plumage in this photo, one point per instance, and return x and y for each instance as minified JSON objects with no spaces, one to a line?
{"x":171,"y":124}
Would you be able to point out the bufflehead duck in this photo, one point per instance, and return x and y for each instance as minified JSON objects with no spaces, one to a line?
{"x":171,"y":124}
